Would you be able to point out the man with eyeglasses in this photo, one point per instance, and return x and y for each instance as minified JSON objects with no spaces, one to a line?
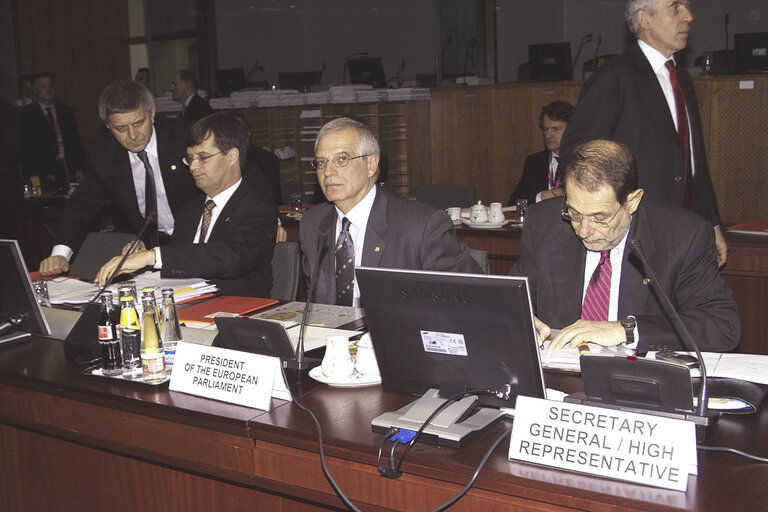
{"x":136,"y":168}
{"x":228,"y":236}
{"x":645,"y":99}
{"x":362,"y":224}
{"x":585,"y":281}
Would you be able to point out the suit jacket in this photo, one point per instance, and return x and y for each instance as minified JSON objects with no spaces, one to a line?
{"x":678,"y":244}
{"x":109,"y":180}
{"x":535,"y":178}
{"x":238,"y":254}
{"x":197,"y":109}
{"x":623,"y":101}
{"x":39,"y":138}
{"x":400,"y":234}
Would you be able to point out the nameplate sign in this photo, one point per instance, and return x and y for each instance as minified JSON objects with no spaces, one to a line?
{"x":228,"y":375}
{"x":638,"y":448}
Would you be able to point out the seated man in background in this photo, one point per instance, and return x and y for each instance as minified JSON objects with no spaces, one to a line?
{"x":184,"y":89}
{"x":585,"y":280}
{"x":227,"y":236}
{"x":136,"y":167}
{"x":540,"y":169}
{"x":366,"y":225}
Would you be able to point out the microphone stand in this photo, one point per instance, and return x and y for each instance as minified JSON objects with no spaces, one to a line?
{"x":584,"y":39}
{"x":682,"y":331}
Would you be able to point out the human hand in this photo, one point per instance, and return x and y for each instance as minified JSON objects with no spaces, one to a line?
{"x":607,"y":334}
{"x":53,"y":265}
{"x":722,"y":247}
{"x":282,"y":235}
{"x":134,"y":262}
{"x":542,"y":329}
{"x":138,"y":247}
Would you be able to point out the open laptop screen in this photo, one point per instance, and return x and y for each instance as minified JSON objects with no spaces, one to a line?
{"x":450,"y":331}
{"x":18,"y":303}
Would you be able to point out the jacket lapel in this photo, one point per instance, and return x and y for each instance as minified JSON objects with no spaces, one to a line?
{"x":374,"y":246}
{"x":634,"y":292}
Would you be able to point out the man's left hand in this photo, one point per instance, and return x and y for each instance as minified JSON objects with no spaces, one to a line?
{"x":722,"y":247}
{"x":606,"y":334}
{"x":134,"y":262}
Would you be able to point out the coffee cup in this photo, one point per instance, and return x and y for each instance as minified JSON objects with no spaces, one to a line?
{"x":455,"y":213}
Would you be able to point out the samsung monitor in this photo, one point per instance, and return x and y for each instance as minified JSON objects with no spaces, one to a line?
{"x":550,"y":62}
{"x":367,"y":71}
{"x":20,"y":314}
{"x":751,"y":52}
{"x":452,"y":332}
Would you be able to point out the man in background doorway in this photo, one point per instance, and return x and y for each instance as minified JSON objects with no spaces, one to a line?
{"x":184,"y":89}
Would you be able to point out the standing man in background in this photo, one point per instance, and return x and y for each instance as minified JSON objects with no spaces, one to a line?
{"x":643,"y":99}
{"x":184,"y":89}
{"x":539,"y":180}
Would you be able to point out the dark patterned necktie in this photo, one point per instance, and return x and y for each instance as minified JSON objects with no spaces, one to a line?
{"x":598,"y":296}
{"x":682,"y":131}
{"x":209,"y":206}
{"x":150,"y":198}
{"x":345,"y":266}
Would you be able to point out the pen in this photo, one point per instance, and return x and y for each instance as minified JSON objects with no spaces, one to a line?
{"x":583,"y":347}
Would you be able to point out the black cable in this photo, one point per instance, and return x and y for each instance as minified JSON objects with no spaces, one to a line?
{"x":731,"y":450}
{"x":392,"y":432}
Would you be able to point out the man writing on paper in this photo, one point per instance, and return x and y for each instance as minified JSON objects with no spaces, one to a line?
{"x":645,"y":100}
{"x":362,"y":224}
{"x":137,"y":168}
{"x":227,"y":236}
{"x":584,"y":279}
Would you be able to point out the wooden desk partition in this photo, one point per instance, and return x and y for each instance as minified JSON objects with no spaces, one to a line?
{"x":72,"y":442}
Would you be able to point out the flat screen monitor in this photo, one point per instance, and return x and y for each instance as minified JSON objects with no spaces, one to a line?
{"x":18,"y":303}
{"x":367,"y":71}
{"x":550,"y":61}
{"x":230,"y":80}
{"x":751,"y":52}
{"x":453,"y":332}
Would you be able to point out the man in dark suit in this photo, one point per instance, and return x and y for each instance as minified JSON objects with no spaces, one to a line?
{"x":631,"y":99}
{"x":362,"y":224}
{"x":539,"y":180}
{"x":49,"y":133}
{"x":117,"y":174}
{"x":585,"y":280}
{"x":227,"y":236}
{"x":184,"y":89}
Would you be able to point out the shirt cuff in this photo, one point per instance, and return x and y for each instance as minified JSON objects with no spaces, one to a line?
{"x":62,"y":250}
{"x":158,"y":259}
{"x":538,"y":197}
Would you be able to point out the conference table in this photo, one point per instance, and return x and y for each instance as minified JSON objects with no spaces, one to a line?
{"x":74,"y":442}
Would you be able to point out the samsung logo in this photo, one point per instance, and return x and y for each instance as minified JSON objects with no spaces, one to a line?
{"x":433,"y":295}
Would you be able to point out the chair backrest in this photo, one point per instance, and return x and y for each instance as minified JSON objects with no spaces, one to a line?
{"x":445,"y":195}
{"x":481,"y":257}
{"x":97,"y":249}
{"x":285,"y":271}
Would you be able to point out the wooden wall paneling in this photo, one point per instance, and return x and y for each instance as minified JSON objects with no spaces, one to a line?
{"x":738,"y":154}
{"x":82,"y":45}
{"x":393,"y":140}
{"x":419,"y":143}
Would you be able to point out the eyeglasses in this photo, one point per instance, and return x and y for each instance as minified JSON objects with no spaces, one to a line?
{"x":199,"y":159}
{"x":338,"y":161}
{"x":577,"y":218}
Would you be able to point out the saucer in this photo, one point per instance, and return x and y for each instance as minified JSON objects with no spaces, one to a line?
{"x":344,"y":382}
{"x":485,"y":225}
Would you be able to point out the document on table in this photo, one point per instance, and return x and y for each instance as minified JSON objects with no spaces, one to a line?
{"x":567,"y":359}
{"x":322,"y":315}
{"x":749,"y":367}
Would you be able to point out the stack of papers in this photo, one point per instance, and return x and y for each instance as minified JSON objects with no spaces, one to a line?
{"x":67,"y":290}
{"x":409,"y":93}
{"x":346,"y":93}
{"x":749,"y":367}
{"x":223,"y":103}
{"x":315,"y":98}
{"x":372,"y":95}
{"x":320,"y":315}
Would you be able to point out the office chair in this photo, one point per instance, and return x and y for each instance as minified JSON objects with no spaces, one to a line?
{"x":445,"y":195}
{"x":97,"y":249}
{"x":285,"y":271}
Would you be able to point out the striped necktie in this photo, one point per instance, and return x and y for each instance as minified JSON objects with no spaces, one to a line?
{"x":209,"y":206}
{"x":345,"y":266}
{"x":598,"y":295}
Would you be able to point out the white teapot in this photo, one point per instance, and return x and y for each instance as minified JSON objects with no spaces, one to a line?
{"x":478,"y":213}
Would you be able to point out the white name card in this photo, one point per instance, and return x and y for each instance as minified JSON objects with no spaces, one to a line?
{"x":638,"y":448}
{"x":228,"y":375}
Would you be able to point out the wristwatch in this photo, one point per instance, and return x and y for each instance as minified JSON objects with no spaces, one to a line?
{"x":629,"y":323}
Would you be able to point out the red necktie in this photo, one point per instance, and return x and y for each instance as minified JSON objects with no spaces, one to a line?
{"x":598,"y":295}
{"x":682,"y":131}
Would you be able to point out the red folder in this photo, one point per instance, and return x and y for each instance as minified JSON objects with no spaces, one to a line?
{"x":755,"y":226}
{"x":206,"y":312}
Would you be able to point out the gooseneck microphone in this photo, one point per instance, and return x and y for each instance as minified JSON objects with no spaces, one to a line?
{"x":584,"y":39}
{"x":302,"y":363}
{"x":682,"y":330}
{"x":151,"y":219}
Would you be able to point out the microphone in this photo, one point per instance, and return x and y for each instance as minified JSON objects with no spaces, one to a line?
{"x":597,"y":47}
{"x":151,"y":219}
{"x":300,"y":362}
{"x":584,"y":39}
{"x":682,"y":330}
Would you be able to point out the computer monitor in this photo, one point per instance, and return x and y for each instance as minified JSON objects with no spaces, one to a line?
{"x":230,"y":80}
{"x":550,"y":61}
{"x":452,"y":332}
{"x":18,"y":302}
{"x":751,"y":52}
{"x":367,"y":71}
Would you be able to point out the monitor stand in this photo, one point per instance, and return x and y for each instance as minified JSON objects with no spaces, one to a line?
{"x":455,"y":426}
{"x":11,"y":337}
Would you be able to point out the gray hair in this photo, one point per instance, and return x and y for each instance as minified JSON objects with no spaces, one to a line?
{"x":631,"y":9}
{"x":124,"y":96}
{"x":366,"y":144}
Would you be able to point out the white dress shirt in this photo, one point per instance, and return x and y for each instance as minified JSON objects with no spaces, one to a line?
{"x":164,"y":214}
{"x":358,"y":220}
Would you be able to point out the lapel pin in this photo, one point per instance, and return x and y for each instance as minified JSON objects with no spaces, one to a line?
{"x":227,"y":220}
{"x":377,"y":249}
{"x":646,"y":281}
{"x":173,"y":167}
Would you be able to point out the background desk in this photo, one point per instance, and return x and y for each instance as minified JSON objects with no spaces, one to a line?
{"x":71,"y":442}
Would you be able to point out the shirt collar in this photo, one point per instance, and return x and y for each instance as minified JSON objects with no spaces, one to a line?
{"x":358,"y":215}
{"x":186,"y":103}
{"x":225,"y":195}
{"x":151,"y":148}
{"x":655,"y":57}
